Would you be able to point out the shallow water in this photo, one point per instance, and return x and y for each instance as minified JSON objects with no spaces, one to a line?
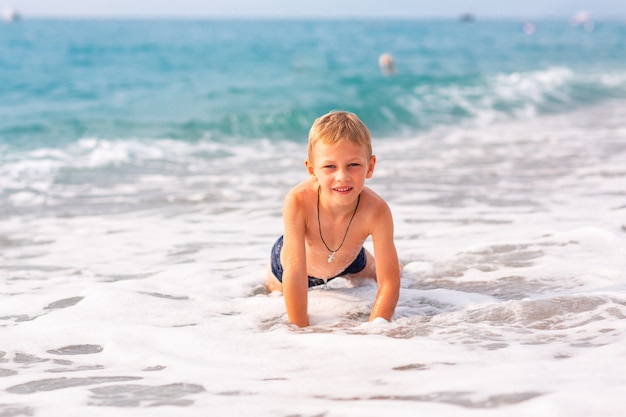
{"x":150,"y":300}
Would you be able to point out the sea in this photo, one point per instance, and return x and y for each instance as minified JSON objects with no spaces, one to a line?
{"x":143,"y":165}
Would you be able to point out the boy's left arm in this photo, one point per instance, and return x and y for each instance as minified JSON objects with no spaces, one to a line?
{"x":387,"y":266}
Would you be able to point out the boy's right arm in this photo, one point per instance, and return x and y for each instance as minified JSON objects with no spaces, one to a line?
{"x":295,"y":280}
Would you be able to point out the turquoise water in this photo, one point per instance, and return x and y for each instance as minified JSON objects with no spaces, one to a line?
{"x":61,"y":81}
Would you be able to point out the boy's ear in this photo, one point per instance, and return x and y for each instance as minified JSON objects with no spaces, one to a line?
{"x":309,"y":168}
{"x":370,"y":167}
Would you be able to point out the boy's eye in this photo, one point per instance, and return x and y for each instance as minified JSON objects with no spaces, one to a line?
{"x":329,"y":166}
{"x":354,"y":164}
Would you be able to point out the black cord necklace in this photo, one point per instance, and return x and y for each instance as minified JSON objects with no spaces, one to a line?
{"x":319,"y":224}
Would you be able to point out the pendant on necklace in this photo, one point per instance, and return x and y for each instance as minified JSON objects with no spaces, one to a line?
{"x":331,"y":257}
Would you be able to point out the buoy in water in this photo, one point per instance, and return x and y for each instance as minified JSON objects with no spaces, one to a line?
{"x":387,"y":64}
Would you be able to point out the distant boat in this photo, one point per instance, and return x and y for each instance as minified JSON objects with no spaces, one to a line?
{"x":10,"y":15}
{"x":583,"y":19}
{"x":467,"y":18}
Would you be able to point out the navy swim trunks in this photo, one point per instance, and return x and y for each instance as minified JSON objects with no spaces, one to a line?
{"x":277,"y":269}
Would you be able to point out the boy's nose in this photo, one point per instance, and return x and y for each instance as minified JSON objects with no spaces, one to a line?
{"x":343,"y":174}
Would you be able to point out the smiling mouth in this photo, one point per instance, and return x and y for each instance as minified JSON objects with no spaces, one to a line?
{"x":342,"y":189}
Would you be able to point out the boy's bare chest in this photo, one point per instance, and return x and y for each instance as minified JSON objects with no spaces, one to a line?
{"x":330,"y":252}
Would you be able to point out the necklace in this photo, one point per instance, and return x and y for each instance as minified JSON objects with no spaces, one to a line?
{"x":319,"y":224}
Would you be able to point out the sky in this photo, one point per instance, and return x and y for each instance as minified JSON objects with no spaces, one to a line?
{"x":522,"y":9}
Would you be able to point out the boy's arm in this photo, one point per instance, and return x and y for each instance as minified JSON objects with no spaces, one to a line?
{"x":387,"y":265}
{"x":295,"y":280}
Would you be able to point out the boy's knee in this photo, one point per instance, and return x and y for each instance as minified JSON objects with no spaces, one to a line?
{"x":271,"y":282}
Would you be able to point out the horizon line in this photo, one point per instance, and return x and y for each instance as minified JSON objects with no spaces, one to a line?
{"x":458,"y":17}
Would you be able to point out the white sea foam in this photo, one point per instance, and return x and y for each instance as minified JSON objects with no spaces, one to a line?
{"x":137,"y":282}
{"x":511,"y":95}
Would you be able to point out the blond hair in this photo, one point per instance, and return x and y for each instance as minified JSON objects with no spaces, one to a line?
{"x":337,"y":126}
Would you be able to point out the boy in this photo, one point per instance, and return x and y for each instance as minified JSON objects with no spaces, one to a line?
{"x":327,"y":218}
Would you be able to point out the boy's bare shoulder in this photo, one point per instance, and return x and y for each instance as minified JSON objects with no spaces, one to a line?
{"x":301,"y":193}
{"x":374,"y":202}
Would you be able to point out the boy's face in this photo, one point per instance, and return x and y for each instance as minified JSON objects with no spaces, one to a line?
{"x":341,"y":169}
